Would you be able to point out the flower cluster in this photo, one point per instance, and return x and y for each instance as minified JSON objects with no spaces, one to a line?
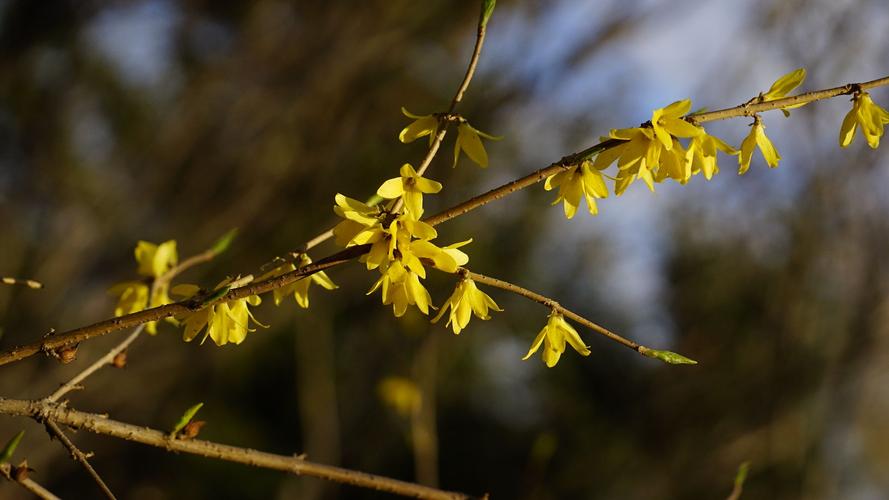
{"x":225,"y":321}
{"x":400,"y":243}
{"x":154,"y":261}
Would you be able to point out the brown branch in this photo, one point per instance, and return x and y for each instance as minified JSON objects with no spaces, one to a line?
{"x":78,"y":456}
{"x":572,"y":159}
{"x":99,"y":424}
{"x":7,"y":470}
{"x":552,"y":304}
{"x":77,"y":335}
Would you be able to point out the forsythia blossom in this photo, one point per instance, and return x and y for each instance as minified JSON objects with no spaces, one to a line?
{"x":867,"y":115}
{"x":553,"y":337}
{"x":300,"y":288}
{"x":421,"y":126}
{"x":577,"y":181}
{"x":466,"y":300}
{"x":783,"y":86}
{"x":468,"y":140}
{"x":225,"y":321}
{"x":154,"y":261}
{"x":757,"y":138}
{"x":410,"y":187}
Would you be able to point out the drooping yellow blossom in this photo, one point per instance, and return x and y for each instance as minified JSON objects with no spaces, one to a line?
{"x":401,"y":394}
{"x":422,"y":126}
{"x":153,"y":262}
{"x":783,"y":86}
{"x":299,"y":289}
{"x":402,"y":288}
{"x":582,"y":180}
{"x":466,"y":300}
{"x":702,"y":154}
{"x":224,"y":322}
{"x":468,"y":141}
{"x":553,"y":337}
{"x":866,"y":114}
{"x":411,"y":188}
{"x":757,"y":138}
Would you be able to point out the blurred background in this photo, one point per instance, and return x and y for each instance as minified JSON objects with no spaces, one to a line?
{"x":158,"y":120}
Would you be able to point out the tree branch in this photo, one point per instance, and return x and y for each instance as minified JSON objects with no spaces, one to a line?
{"x":27,"y":483}
{"x":78,"y":456}
{"x":99,"y":424}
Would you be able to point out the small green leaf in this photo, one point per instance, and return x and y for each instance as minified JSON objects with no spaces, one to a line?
{"x":186,"y":418}
{"x":487,"y":10}
{"x":215,"y":295}
{"x":741,"y":476}
{"x":669,"y":357}
{"x":698,"y":111}
{"x":223,"y":243}
{"x":10,"y":447}
{"x":374,"y":200}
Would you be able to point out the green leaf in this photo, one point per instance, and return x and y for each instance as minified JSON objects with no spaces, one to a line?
{"x":669,"y":357}
{"x":374,"y":200}
{"x":487,"y":10}
{"x":741,"y":476}
{"x":215,"y":295}
{"x":223,"y":243}
{"x":186,"y":418}
{"x":10,"y":447}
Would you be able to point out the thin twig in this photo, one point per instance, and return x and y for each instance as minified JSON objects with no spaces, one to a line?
{"x":27,"y":483}
{"x":6,"y":280}
{"x":78,"y":456}
{"x":100,"y":363}
{"x":551,"y":303}
{"x":100,"y":424}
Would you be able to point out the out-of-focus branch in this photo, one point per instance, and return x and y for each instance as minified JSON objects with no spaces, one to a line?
{"x":100,"y":424}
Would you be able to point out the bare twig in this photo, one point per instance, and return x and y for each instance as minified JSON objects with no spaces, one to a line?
{"x":100,"y":424}
{"x":7,"y":470}
{"x":78,"y":456}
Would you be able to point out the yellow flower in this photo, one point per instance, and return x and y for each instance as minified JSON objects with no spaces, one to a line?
{"x":582,"y":180}
{"x":636,"y":156}
{"x":402,"y":288}
{"x":668,"y":122}
{"x":401,"y":394}
{"x":702,"y":154}
{"x":421,"y":126}
{"x":411,"y":188}
{"x":553,"y":337}
{"x":468,"y":140}
{"x":757,"y":138}
{"x":299,"y":289}
{"x":867,"y":114}
{"x":466,"y":300}
{"x":225,"y":322}
{"x":783,"y":86}
{"x":155,"y":260}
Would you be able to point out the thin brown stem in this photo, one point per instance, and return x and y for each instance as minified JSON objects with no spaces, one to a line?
{"x":7,"y":470}
{"x":100,"y":424}
{"x":100,"y":363}
{"x":78,"y":456}
{"x":552,"y":304}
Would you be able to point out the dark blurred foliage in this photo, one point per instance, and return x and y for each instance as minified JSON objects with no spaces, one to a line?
{"x":122,"y":121}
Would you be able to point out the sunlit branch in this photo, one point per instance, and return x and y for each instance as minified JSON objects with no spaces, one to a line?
{"x":100,"y":424}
